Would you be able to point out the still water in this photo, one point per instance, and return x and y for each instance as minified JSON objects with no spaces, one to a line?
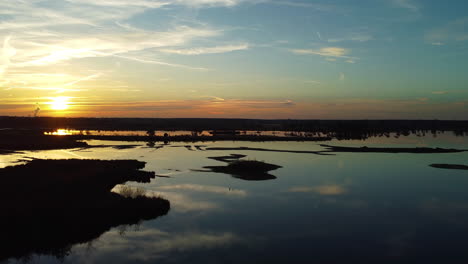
{"x":343,"y":208}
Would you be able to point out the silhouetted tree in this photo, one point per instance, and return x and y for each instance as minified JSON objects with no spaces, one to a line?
{"x":151,"y":132}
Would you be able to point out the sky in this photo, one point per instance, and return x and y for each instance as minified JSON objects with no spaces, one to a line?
{"x":272,"y":59}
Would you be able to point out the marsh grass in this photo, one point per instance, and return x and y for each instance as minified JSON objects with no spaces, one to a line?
{"x":130,"y":191}
{"x":50,"y":205}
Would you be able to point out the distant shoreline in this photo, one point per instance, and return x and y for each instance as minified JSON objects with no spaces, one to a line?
{"x":27,"y":133}
{"x":198,"y":124}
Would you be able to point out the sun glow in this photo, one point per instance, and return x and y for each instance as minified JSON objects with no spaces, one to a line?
{"x":59,"y":103}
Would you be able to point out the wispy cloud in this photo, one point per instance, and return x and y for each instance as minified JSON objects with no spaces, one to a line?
{"x":451,"y":32}
{"x":326,"y":52}
{"x":159,"y":3}
{"x":411,"y":10}
{"x":313,"y":82}
{"x":341,"y":76}
{"x":329,"y":53}
{"x":122,"y":3}
{"x":54,"y":50}
{"x":201,"y":3}
{"x":302,"y":4}
{"x":160,"y":63}
{"x":86,"y":78}
{"x":205,"y":50}
{"x":406,"y":4}
{"x":353,"y":37}
{"x":6,"y":54}
{"x":213,"y":98}
{"x":41,"y":34}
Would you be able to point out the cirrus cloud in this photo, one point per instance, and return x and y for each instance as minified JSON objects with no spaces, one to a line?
{"x":329,"y":53}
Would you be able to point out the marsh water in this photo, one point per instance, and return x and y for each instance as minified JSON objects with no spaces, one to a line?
{"x":319,"y":209}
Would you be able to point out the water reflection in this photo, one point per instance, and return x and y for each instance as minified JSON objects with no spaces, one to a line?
{"x":249,"y":170}
{"x":62,"y":132}
{"x":348,"y":208}
{"x":153,"y":245}
{"x":205,"y":188}
{"x":322,"y":190}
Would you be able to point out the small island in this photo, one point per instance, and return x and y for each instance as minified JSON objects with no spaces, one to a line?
{"x":389,"y":150}
{"x":450,"y":166}
{"x":250,"y":170}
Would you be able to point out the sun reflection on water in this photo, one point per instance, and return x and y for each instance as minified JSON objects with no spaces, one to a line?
{"x":60,"y":132}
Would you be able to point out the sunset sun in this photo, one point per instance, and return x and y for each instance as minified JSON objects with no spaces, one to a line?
{"x":59,"y":103}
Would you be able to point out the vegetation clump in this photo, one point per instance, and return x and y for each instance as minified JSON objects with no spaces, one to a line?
{"x":251,"y":166}
{"x":47,"y":206}
{"x":251,"y":170}
{"x":450,"y":166}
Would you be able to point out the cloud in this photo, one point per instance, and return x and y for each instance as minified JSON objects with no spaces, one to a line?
{"x":411,"y":11}
{"x":146,"y":61}
{"x":406,"y":4}
{"x":211,"y":50}
{"x":213,"y":98}
{"x":440,"y":92}
{"x":305,"y":4}
{"x":341,"y":76}
{"x":86,"y":78}
{"x":202,"y":3}
{"x":453,"y":31}
{"x":326,"y":52}
{"x":6,"y":54}
{"x":355,"y":37}
{"x":55,"y":50}
{"x":313,"y":82}
{"x":319,"y":35}
{"x":329,"y":53}
{"x":158,"y":4}
{"x":122,"y":3}
{"x":48,"y":33}
{"x":53,"y":82}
